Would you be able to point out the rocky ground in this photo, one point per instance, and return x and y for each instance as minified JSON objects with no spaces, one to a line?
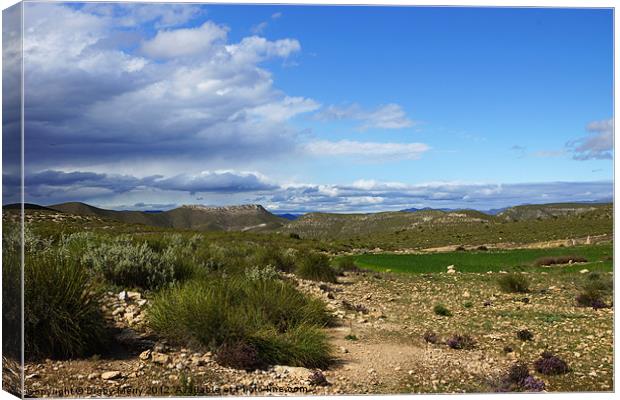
{"x":378,"y":343}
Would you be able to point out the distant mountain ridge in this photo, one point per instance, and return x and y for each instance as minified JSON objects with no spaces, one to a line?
{"x":251,"y":217}
{"x":255,"y":218}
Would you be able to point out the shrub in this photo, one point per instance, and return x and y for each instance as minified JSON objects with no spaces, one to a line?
{"x":315,"y":266}
{"x":126,"y":264}
{"x":460,"y":248}
{"x":461,"y":342}
{"x":594,"y":290}
{"x":550,"y":364}
{"x":62,"y":317}
{"x":295,"y":236}
{"x":238,"y":355}
{"x":514,"y":283}
{"x":442,"y":310}
{"x":482,"y":248}
{"x":525,"y":335}
{"x":282,"y":324}
{"x":11,"y":295}
{"x":271,"y":255}
{"x":350,"y":336}
{"x":257,"y":273}
{"x":518,"y":379}
{"x":547,"y":261}
{"x":431,"y":337}
{"x":468,"y":304}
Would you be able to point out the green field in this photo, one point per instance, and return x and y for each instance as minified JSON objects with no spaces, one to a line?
{"x":599,"y":259}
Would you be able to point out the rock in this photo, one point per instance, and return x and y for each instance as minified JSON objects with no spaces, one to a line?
{"x":92,"y":376}
{"x":343,"y":350}
{"x":33,"y":376}
{"x":145,"y":355}
{"x":111,"y":375}
{"x":451,"y":271}
{"x":141,"y":302}
{"x":300,"y":373}
{"x":466,"y":294}
{"x":134,"y":296}
{"x":450,"y":267}
{"x":123,"y":296}
{"x":159,"y":358}
{"x":410,"y":372}
{"x":118,"y":311}
{"x":584,"y":271}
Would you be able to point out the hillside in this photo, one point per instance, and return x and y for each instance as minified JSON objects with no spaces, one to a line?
{"x":545,"y":211}
{"x":430,"y":228}
{"x":347,"y":225}
{"x":202,"y":218}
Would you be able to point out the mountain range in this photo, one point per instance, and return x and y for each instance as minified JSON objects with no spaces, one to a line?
{"x":254,"y":217}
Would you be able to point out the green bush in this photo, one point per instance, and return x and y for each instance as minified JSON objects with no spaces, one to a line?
{"x":256,"y":273}
{"x":594,"y":289}
{"x":11,"y":293}
{"x":316,"y":267}
{"x":62,"y":316}
{"x":149,"y":264}
{"x":442,"y":310}
{"x":281,"y":323}
{"x":514,"y":283}
{"x":271,"y":255}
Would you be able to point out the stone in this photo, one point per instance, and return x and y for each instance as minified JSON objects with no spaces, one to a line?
{"x":123,"y":296}
{"x":118,"y":311}
{"x":343,"y":350}
{"x":584,"y":271}
{"x":300,"y":373}
{"x":159,"y":358}
{"x":134,"y":296}
{"x":92,"y":376}
{"x":466,"y":294}
{"x":451,"y":271}
{"x":111,"y":375}
{"x":145,"y":355}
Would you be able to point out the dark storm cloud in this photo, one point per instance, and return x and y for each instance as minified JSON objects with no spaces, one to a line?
{"x":95,"y":96}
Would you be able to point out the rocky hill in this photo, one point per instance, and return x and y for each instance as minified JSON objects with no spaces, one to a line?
{"x":196,"y":217}
{"x":546,"y":211}
{"x":316,"y":225}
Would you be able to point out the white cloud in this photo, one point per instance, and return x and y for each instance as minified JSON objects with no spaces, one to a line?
{"x":388,"y":116}
{"x":369,"y":150}
{"x":285,"y":109}
{"x":185,"y":42}
{"x":259,"y":28}
{"x":598,"y":145}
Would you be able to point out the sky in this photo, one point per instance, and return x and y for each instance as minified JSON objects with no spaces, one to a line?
{"x":315,"y":108}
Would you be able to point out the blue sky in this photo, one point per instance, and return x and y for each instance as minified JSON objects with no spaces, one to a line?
{"x":345,"y":109}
